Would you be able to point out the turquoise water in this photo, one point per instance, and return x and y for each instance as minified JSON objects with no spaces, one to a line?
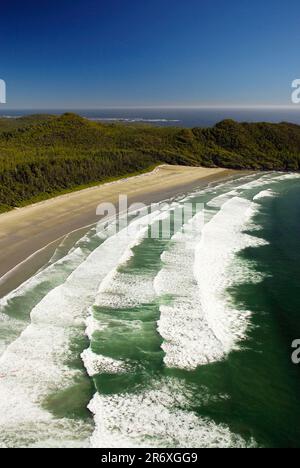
{"x":185,"y":341}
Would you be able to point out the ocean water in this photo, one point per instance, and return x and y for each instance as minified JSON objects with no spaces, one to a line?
{"x":150,"y":341}
{"x":180,"y":117}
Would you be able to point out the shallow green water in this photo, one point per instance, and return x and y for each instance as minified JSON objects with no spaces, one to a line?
{"x":260,"y":384}
{"x":174,"y":359}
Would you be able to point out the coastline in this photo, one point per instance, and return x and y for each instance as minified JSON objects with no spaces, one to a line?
{"x":30,"y":235}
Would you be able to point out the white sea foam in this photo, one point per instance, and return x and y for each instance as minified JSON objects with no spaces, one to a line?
{"x":224,"y":187}
{"x":199,"y":325}
{"x":71,"y":261}
{"x":157,"y":417}
{"x":261,"y":181}
{"x":221,"y":240}
{"x":36,"y":364}
{"x":265,"y":194}
{"x":10,"y":326}
{"x":126,"y":290}
{"x":136,"y":119}
{"x":288,"y":176}
{"x":219,"y":201}
{"x":92,"y":326}
{"x":188,"y":339}
{"x":266,"y":179}
{"x":119,"y":290}
{"x":227,"y":190}
{"x":238,"y":190}
{"x":269,"y":179}
{"x":96,"y":364}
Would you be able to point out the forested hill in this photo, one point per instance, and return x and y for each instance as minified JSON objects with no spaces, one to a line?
{"x":44,"y":155}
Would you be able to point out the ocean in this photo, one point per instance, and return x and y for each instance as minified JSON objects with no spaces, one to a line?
{"x":156,"y":341}
{"x":180,"y":117}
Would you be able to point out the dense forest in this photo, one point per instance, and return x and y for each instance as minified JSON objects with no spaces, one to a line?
{"x":43,"y":155}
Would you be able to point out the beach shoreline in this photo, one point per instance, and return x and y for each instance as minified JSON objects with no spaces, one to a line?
{"x":30,"y":235}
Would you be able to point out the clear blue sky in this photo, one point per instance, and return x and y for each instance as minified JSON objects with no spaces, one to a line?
{"x":95,"y":53}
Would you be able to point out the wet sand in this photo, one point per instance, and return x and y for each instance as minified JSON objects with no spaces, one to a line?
{"x":29,"y":236}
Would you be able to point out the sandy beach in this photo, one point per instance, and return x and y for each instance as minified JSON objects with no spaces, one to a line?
{"x":29,"y":236}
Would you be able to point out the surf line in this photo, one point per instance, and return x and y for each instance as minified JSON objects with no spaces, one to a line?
{"x":112,"y":458}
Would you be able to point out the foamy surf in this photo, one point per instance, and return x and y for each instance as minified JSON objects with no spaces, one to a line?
{"x":15,"y":307}
{"x":96,"y":364}
{"x":119,"y":290}
{"x":190,"y":340}
{"x":215,"y":256}
{"x":265,"y":194}
{"x":112,"y":297}
{"x":199,"y":325}
{"x":157,"y":418}
{"x":36,"y":365}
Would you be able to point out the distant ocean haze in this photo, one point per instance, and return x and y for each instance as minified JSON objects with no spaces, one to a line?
{"x":180,"y":117}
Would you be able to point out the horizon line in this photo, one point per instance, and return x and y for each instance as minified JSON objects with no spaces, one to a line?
{"x":134,"y":107}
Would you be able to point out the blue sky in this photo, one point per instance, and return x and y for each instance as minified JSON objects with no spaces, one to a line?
{"x":96,"y":53}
